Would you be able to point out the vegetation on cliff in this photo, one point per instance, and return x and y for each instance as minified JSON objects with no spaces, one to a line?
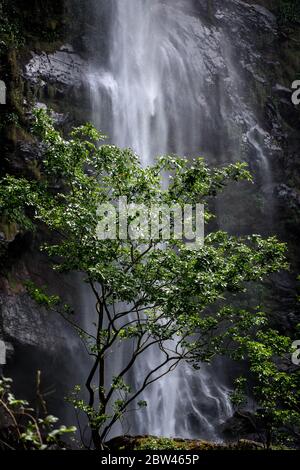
{"x":175,"y":298}
{"x":23,"y":428}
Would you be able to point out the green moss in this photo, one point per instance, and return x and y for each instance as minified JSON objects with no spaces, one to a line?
{"x":162,"y":443}
{"x":156,"y":443}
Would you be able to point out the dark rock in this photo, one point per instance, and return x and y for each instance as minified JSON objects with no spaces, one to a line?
{"x":63,"y":67}
{"x":290,"y":196}
{"x":25,"y":322}
{"x":242,"y":423}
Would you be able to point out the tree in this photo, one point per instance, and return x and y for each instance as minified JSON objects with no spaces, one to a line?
{"x":273,"y":382}
{"x":147,"y":294}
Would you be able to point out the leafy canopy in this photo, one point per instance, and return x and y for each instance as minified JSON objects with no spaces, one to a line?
{"x":166,"y":297}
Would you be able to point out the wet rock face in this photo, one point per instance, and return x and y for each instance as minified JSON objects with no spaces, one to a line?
{"x":63,"y":67}
{"x":242,"y":424}
{"x":50,"y":73}
{"x":267,"y":58}
{"x":31,"y":323}
{"x":22,"y":320}
{"x":43,"y":72}
{"x":290,"y":196}
{"x":36,"y":338}
{"x":57,"y":80}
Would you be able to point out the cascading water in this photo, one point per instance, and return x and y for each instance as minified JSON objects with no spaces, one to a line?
{"x":169,"y":82}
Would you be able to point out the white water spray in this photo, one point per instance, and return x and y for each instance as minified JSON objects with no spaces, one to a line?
{"x":169,"y":85}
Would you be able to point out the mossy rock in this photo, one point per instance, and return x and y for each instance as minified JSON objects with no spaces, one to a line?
{"x":138,"y":443}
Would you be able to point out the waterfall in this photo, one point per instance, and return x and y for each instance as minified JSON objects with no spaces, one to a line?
{"x":170,"y":80}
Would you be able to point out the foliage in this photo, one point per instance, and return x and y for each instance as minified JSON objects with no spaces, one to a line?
{"x":147,"y":295}
{"x":40,"y":296}
{"x":19,"y":26}
{"x":158,"y":443}
{"x":10,"y":30}
{"x":275,"y":384}
{"x":20,"y":427}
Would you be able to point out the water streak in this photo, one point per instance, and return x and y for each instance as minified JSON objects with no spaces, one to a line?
{"x":171,"y":84}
